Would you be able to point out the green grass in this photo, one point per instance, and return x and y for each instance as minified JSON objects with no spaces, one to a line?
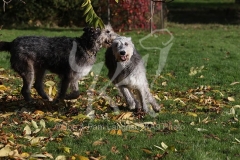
{"x":216,"y":47}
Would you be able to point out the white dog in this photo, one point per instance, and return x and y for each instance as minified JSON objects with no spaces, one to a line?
{"x":127,"y":72}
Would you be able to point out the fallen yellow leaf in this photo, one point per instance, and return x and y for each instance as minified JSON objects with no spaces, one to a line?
{"x":201,"y":129}
{"x":49,"y":83}
{"x":34,"y":124}
{"x":53,"y":119}
{"x":27,"y":130}
{"x":99,"y":142}
{"x":231,"y":99}
{"x":54,"y":91}
{"x":92,"y":74}
{"x":82,"y":158}
{"x":61,"y":157}
{"x":147,"y":151}
{"x":14,"y":154}
{"x":36,"y":141}
{"x":112,"y":132}
{"x":6,"y":115}
{"x":38,"y":112}
{"x":192,"y":114}
{"x":234,"y":83}
{"x":119,"y":132}
{"x":4,"y":152}
{"x":25,"y":155}
{"x":38,"y":155}
{"x":42,"y":123}
{"x":124,"y":116}
{"x":3,"y":88}
{"x":164,"y":83}
{"x":66,"y":149}
{"x":48,"y":155}
{"x":232,"y":111}
{"x":50,"y":90}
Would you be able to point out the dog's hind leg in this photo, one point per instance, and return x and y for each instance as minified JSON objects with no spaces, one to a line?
{"x":25,"y":69}
{"x":27,"y":84}
{"x":38,"y":85}
{"x":28,"y":77}
{"x":128,"y":97}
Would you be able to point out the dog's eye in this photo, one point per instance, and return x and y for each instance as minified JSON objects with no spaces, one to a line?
{"x":107,"y":31}
{"x":126,"y":44}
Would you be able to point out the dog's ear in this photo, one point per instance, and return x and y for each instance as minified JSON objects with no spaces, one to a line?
{"x":97,"y":30}
{"x":85,"y":29}
{"x":108,"y":27}
{"x":129,"y":39}
{"x":88,"y":29}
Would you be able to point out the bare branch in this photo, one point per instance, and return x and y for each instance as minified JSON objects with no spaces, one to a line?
{"x":23,"y":2}
{"x":5,"y":2}
{"x":1,"y":29}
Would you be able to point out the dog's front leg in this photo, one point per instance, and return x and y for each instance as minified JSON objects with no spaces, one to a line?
{"x":75,"y":90}
{"x":63,"y":88}
{"x":128,"y":97}
{"x":141,"y":95}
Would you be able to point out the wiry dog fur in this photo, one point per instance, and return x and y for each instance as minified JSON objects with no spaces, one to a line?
{"x":127,"y":72}
{"x":31,"y":56}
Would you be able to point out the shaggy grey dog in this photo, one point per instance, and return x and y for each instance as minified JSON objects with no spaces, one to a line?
{"x":70,"y":58}
{"x":127,"y":72}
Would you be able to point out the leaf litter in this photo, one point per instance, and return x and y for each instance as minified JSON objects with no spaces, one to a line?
{"x":32,"y":118}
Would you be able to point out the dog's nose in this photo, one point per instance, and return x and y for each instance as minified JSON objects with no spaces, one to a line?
{"x":122,"y":52}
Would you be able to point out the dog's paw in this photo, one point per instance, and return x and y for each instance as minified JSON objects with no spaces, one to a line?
{"x":73,"y":95}
{"x":157,"y":108}
{"x":50,"y":99}
{"x":58,"y":101}
{"x":145,"y":108}
{"x":152,"y":113}
{"x":132,"y":107}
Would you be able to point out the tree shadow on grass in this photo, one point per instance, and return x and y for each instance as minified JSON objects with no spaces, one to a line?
{"x":204,"y":13}
{"x":37,"y":104}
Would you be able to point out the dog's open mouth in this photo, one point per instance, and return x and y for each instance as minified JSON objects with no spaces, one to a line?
{"x":123,"y":57}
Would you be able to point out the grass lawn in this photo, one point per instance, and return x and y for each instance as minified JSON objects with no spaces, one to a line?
{"x":199,"y":88}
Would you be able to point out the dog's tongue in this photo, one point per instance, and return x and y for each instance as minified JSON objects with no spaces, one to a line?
{"x":123,"y":58}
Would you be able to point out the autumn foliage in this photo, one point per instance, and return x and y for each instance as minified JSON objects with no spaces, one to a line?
{"x":131,"y":14}
{"x":128,"y":14}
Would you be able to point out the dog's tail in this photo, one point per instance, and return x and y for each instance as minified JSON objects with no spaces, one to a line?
{"x":5,"y":46}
